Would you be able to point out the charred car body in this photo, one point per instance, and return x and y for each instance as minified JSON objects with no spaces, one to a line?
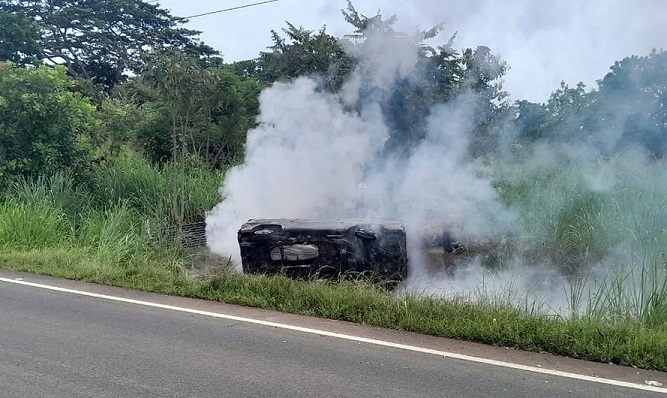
{"x":298,"y":246}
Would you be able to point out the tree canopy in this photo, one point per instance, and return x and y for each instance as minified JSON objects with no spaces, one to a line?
{"x":98,"y":40}
{"x":20,"y":40}
{"x":628,"y":109}
{"x":305,"y":53}
{"x":212,"y":107}
{"x":441,"y":74}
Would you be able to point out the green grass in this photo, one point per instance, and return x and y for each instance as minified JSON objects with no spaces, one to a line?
{"x":133,"y":181}
{"x":603,"y":226}
{"x":33,"y":224}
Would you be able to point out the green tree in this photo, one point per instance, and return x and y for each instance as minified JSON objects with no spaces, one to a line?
{"x":104,"y":40}
{"x":44,"y":126}
{"x":632,"y":98}
{"x":117,"y":119}
{"x":567,"y":107}
{"x":529,"y":121}
{"x":233,"y":111}
{"x":220,"y":117}
{"x":305,"y":53}
{"x":441,"y":74}
{"x":195,"y":111}
{"x":184,"y":86}
{"x":19,"y":38}
{"x":628,"y":109}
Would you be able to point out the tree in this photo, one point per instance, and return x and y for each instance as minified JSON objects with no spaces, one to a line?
{"x":194,"y":111}
{"x":19,"y":39}
{"x":103,"y":40}
{"x":633,"y":98}
{"x":223,"y":112}
{"x":44,"y":126}
{"x":235,"y":106}
{"x":529,"y":121}
{"x":117,"y":119}
{"x":567,"y":107}
{"x":629,"y":109}
{"x":305,"y":53}
{"x":184,"y":86}
{"x":441,"y":74}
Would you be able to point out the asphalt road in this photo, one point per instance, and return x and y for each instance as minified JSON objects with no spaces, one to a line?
{"x":61,"y":344}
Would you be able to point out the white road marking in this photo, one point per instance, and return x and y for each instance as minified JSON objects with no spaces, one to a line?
{"x":383,"y":343}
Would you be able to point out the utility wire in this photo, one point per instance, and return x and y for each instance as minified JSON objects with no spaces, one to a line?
{"x":230,"y":9}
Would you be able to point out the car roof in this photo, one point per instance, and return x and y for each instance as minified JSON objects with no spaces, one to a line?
{"x":319,"y":224}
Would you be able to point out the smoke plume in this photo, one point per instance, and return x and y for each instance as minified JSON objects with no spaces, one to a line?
{"x":317,"y":154}
{"x":570,"y":212}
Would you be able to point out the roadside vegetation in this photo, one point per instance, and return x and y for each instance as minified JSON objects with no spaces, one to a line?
{"x":99,"y":168}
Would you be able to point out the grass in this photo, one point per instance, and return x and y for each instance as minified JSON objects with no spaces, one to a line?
{"x":33,"y":224}
{"x":147,"y":188}
{"x":101,"y":232}
{"x":603,"y":226}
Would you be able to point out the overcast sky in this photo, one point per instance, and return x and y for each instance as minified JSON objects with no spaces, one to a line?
{"x":544,"y":42}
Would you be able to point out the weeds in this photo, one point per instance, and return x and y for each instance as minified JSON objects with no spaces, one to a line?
{"x":132,"y":180}
{"x":33,"y":224}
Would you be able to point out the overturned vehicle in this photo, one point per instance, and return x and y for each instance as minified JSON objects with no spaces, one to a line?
{"x":329,"y":247}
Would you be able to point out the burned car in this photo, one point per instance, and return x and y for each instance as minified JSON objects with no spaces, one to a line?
{"x":332,"y":247}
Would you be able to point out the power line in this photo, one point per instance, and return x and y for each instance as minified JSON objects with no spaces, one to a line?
{"x":230,"y":9}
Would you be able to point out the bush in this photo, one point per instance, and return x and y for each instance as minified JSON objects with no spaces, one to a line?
{"x":44,"y":124}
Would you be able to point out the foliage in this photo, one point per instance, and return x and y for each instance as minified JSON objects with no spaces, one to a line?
{"x":636,"y":92}
{"x":19,"y":38}
{"x":628,"y":109}
{"x":217,"y":105}
{"x":103,"y":40}
{"x":442,"y":75}
{"x":130,"y":180}
{"x":184,"y":86}
{"x":117,"y":119}
{"x":305,"y":53}
{"x":236,"y":106}
{"x":44,"y":127}
{"x":119,"y":209}
{"x":58,"y":191}
{"x":601,"y":226}
{"x":33,"y":224}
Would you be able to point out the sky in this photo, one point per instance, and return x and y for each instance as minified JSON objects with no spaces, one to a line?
{"x":543,"y":42}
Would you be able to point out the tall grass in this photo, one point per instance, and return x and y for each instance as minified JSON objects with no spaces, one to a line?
{"x":120,"y":212}
{"x":113,"y":234}
{"x":132,"y":180}
{"x":33,"y":224}
{"x":58,"y":191}
{"x":603,"y":226}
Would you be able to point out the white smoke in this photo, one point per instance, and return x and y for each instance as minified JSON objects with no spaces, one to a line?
{"x":305,"y":159}
{"x":310,"y":155}
{"x":312,"y":150}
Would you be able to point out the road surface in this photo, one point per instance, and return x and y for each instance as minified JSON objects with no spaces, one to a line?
{"x":95,"y":341}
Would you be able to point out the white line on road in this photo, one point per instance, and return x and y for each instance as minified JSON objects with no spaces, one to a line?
{"x":383,"y":343}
